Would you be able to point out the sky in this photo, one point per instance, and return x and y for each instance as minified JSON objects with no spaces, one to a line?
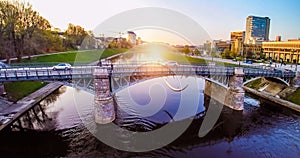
{"x":217,"y":17}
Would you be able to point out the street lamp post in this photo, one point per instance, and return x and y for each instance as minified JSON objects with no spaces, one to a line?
{"x":243,"y":52}
{"x":297,"y":58}
{"x":240,"y":52}
{"x":211,"y":53}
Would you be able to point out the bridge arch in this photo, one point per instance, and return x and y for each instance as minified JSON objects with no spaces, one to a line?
{"x":276,"y":78}
{"x":139,"y":74}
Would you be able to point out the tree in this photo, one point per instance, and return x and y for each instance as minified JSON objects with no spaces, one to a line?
{"x":226,"y":54}
{"x":249,"y":54}
{"x":18,"y":24}
{"x":45,"y":41}
{"x":24,"y":32}
{"x":233,"y":54}
{"x":196,"y":52}
{"x":262,"y":55}
{"x":75,"y":35}
{"x":186,"y":49}
{"x":7,"y":23}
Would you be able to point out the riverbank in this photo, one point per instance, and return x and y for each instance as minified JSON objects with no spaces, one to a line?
{"x":275,"y":92}
{"x":14,"y":111}
{"x":273,"y":99}
{"x":18,"y":90}
{"x":276,"y":89}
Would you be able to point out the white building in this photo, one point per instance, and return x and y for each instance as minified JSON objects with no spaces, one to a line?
{"x":131,"y":37}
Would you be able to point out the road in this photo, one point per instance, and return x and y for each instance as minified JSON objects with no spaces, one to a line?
{"x":277,"y":65}
{"x":38,"y":55}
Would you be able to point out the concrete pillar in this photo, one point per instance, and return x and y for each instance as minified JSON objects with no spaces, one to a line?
{"x":233,"y":96}
{"x":2,"y":89}
{"x":104,"y":104}
{"x":236,"y":94}
{"x":296,"y":80}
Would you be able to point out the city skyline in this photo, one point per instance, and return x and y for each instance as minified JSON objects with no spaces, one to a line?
{"x":217,"y":17}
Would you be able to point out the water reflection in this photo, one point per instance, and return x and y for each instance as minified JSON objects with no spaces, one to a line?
{"x":54,"y":96}
{"x":133,"y":102}
{"x":259,"y":131}
{"x":67,"y":128}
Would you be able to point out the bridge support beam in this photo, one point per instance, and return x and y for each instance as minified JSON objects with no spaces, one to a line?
{"x":103,"y":100}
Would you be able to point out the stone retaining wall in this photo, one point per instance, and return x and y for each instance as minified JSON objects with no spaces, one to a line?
{"x":273,"y":99}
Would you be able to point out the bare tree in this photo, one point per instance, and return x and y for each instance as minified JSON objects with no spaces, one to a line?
{"x":18,"y":24}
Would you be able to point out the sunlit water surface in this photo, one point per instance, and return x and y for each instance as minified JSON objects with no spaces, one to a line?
{"x":263,"y":130}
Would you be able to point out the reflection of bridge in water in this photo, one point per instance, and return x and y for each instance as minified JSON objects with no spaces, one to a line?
{"x":223,"y":84}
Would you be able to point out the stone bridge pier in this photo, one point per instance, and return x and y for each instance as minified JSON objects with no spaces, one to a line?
{"x":236,"y":94}
{"x":233,"y":96}
{"x":296,"y":81}
{"x":2,"y":89}
{"x":103,"y":100}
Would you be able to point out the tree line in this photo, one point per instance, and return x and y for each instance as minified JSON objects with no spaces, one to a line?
{"x":23,"y":31}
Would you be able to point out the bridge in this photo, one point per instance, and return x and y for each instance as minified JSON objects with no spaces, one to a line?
{"x":103,"y":81}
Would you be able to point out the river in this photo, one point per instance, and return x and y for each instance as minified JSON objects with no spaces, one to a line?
{"x":67,"y":128}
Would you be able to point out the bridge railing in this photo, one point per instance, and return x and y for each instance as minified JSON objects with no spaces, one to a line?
{"x":43,"y":73}
{"x":268,"y":72}
{"x":43,"y":64}
{"x":123,"y":69}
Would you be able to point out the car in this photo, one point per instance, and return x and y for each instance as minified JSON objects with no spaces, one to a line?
{"x":103,"y":62}
{"x":171,"y":63}
{"x":249,"y":62}
{"x":3,"y":65}
{"x":62,"y":66}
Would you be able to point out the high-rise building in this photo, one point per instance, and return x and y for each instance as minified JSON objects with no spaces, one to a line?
{"x":257,"y":29}
{"x":237,"y":40}
{"x":207,"y":46}
{"x":278,"y":38}
{"x":131,"y":37}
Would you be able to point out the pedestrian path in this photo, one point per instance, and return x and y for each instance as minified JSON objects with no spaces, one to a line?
{"x":14,"y":111}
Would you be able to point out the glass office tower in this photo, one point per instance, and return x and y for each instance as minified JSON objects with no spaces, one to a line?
{"x":257,"y":29}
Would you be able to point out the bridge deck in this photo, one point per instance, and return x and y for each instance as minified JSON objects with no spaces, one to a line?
{"x":78,"y":72}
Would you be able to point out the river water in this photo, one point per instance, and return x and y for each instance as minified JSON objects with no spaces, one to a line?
{"x":67,"y":128}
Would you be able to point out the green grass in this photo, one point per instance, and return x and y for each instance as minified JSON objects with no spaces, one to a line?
{"x":76,"y":56}
{"x":182,"y":59}
{"x":64,"y":57}
{"x":254,"y":84}
{"x":19,"y":90}
{"x":111,"y":52}
{"x":295,"y":97}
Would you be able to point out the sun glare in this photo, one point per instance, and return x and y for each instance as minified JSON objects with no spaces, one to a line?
{"x":156,"y":35}
{"x":155,"y":52}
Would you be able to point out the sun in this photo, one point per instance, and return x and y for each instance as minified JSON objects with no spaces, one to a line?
{"x":156,"y":51}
